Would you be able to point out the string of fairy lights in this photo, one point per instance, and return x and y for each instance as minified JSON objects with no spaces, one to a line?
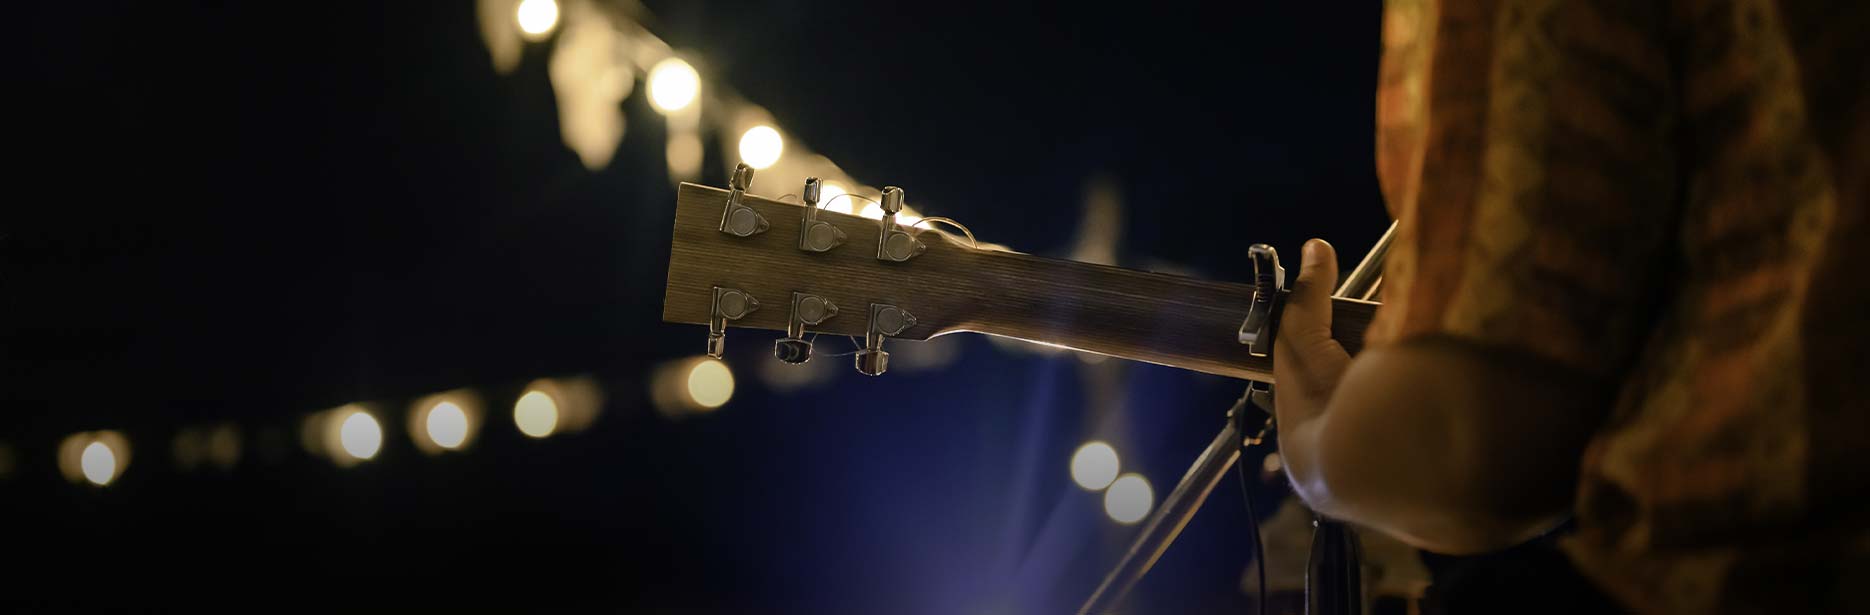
{"x":600,"y":49}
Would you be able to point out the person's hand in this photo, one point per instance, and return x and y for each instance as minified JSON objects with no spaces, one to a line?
{"x":1307,"y":362}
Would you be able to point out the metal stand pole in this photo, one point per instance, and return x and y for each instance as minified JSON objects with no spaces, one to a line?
{"x":1166,"y":523}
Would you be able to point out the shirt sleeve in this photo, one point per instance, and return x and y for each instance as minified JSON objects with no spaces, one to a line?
{"x":1525,"y":149}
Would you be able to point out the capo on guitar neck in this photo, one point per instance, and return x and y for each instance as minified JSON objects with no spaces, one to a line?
{"x":1269,"y":294}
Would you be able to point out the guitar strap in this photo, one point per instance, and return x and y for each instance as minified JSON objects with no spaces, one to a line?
{"x":1334,"y":574}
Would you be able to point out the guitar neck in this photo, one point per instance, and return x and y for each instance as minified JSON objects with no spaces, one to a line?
{"x":954,"y":287}
{"x":1152,"y":317}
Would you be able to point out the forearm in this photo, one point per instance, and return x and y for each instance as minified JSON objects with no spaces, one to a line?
{"x":1451,"y":447}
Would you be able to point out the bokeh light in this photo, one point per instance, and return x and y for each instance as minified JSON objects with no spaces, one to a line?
{"x":691,"y":386}
{"x":95,"y":457}
{"x":447,"y":425}
{"x":710,"y":383}
{"x":1094,"y":465}
{"x":536,"y":414}
{"x":99,"y":463}
{"x":1129,"y":499}
{"x":552,"y":406}
{"x":360,"y":435}
{"x":223,"y":443}
{"x":761,"y":146}
{"x":446,"y":421}
{"x":828,"y":196}
{"x":684,"y":152}
{"x":537,"y":18}
{"x":673,"y":85}
{"x":189,"y":447}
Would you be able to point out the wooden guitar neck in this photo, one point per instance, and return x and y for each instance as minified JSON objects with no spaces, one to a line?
{"x":954,"y":287}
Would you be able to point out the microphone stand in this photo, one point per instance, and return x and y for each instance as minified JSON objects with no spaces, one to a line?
{"x":1334,"y":548}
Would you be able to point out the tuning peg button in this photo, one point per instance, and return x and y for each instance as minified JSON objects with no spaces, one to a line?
{"x":816,"y":235}
{"x":738,"y":219}
{"x":893,"y":243}
{"x":806,"y":310}
{"x":793,"y":351}
{"x":727,"y":304}
{"x":890,"y":320}
{"x":892,"y":200}
{"x":872,"y":362}
{"x":885,"y":321}
{"x":742,"y":177}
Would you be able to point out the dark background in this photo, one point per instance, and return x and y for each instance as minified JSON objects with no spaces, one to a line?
{"x":249,"y":211}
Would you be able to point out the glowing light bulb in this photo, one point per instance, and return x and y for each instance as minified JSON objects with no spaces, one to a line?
{"x":99,"y":463}
{"x":447,"y":425}
{"x":673,"y":85}
{"x":1129,"y":499}
{"x":1094,"y":465}
{"x":536,"y":414}
{"x":761,"y":146}
{"x":360,"y":435}
{"x":537,"y":17}
{"x":710,"y":383}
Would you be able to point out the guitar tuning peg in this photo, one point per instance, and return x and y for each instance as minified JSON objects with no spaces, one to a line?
{"x":895,"y":244}
{"x":728,"y":304}
{"x":738,"y":219}
{"x":742,"y":177}
{"x":806,"y":310}
{"x":885,"y":321}
{"x":816,"y":235}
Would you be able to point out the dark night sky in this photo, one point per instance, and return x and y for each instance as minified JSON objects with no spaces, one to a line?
{"x":249,"y":210}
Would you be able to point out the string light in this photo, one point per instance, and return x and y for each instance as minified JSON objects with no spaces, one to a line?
{"x":536,"y":414}
{"x":537,"y":18}
{"x":99,"y":463}
{"x":761,"y":146}
{"x":828,"y":195}
{"x":223,"y":445}
{"x":691,"y":386}
{"x":352,"y":433}
{"x":360,"y":435}
{"x":446,"y":421}
{"x":684,"y":152}
{"x":95,"y":457}
{"x":1094,"y":465}
{"x":447,"y":425}
{"x":673,"y":85}
{"x":558,"y":405}
{"x":710,"y":384}
{"x":1129,"y":499}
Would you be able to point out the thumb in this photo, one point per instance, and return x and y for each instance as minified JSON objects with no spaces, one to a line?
{"x":1308,"y":310}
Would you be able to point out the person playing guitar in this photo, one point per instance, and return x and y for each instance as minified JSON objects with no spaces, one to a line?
{"x":1620,"y":295}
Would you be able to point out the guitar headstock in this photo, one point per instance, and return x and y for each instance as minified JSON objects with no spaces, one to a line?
{"x":740,"y":260}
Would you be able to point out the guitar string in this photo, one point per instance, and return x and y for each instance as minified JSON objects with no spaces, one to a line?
{"x":855,"y":346}
{"x":972,"y":242}
{"x":950,"y":222}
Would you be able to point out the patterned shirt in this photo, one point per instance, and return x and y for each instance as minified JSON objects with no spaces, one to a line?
{"x":1668,"y":198}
